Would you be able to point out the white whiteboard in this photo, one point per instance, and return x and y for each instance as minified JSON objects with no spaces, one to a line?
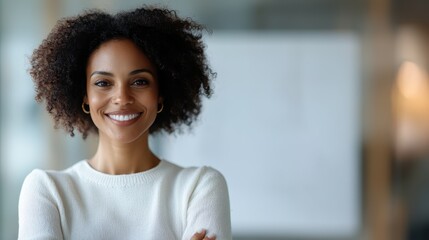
{"x":284,"y":128}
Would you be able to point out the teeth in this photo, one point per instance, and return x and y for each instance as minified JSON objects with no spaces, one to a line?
{"x":124,"y":117}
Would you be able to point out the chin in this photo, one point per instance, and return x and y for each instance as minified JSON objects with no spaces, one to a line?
{"x":127,"y":138}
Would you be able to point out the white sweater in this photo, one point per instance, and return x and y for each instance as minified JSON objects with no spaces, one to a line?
{"x":166,"y":202}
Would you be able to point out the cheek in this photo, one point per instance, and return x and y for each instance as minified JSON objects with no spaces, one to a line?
{"x":150,"y":100}
{"x":96,"y":99}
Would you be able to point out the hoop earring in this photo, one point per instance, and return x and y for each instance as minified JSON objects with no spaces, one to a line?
{"x":162,"y":107}
{"x":84,"y":109}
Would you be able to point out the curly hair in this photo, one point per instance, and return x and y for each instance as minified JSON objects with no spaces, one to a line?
{"x":172,"y":44}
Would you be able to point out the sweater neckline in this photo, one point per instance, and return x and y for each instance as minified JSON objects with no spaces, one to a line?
{"x":121,"y":180}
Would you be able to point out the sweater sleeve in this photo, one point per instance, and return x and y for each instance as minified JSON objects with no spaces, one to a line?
{"x":209,"y":207}
{"x":39,"y":218}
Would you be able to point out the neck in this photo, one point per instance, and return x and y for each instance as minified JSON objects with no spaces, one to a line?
{"x":123,"y":158}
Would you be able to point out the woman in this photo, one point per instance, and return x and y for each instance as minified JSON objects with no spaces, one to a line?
{"x":123,"y":76}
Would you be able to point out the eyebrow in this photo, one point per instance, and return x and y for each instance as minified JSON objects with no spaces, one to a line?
{"x":134,"y":72}
{"x":101,"y":73}
{"x":141,"y":71}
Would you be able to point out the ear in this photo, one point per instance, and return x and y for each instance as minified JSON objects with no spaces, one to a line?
{"x":85,"y":99}
{"x":160,"y":100}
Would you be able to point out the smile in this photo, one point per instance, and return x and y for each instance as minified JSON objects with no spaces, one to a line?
{"x":123,"y":117}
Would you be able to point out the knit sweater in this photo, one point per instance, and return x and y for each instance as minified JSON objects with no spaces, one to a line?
{"x":165,"y":202}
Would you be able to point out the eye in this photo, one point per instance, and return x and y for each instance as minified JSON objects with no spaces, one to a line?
{"x":102,"y":83}
{"x":140,"y":82}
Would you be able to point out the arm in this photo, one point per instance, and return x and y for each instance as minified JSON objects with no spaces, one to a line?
{"x":208,"y":207}
{"x":39,"y":217}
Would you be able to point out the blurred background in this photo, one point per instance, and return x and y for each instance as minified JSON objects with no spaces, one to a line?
{"x":319,"y":121}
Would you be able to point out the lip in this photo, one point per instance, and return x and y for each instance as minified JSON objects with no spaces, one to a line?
{"x":124,"y":118}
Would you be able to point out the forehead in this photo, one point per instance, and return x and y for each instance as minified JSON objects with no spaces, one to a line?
{"x":118,"y":55}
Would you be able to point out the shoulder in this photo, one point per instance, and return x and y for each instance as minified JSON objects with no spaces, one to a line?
{"x":196,"y":174}
{"x":39,"y":179}
{"x":37,"y":185}
{"x":197,"y":179}
{"x":35,"y":180}
{"x":211,"y":179}
{"x":207,"y":175}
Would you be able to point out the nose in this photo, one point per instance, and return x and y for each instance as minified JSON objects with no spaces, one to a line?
{"x":122,"y":96}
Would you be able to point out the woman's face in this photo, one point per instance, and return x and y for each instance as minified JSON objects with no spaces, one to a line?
{"x":122,"y":91}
